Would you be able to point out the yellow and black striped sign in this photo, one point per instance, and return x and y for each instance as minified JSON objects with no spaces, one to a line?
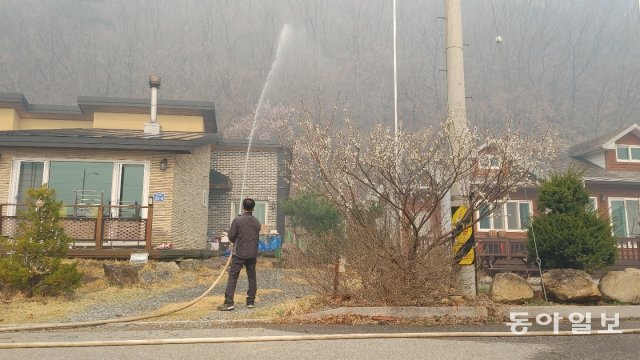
{"x":463,"y":244}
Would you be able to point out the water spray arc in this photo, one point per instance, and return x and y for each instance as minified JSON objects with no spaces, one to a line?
{"x":283,"y":39}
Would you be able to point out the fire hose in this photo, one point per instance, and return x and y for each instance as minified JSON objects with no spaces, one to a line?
{"x":246,"y":339}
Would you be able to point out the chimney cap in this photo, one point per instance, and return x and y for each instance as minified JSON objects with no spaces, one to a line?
{"x":154,"y":81}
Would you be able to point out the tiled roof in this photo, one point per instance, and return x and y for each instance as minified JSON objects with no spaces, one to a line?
{"x":596,"y":144}
{"x":87,"y":105}
{"x":593,"y":172}
{"x":175,"y":141}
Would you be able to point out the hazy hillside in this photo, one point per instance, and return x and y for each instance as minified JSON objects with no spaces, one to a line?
{"x":574,"y":63}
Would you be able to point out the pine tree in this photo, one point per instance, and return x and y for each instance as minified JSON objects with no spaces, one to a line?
{"x":34,"y":264}
{"x":568,"y":232}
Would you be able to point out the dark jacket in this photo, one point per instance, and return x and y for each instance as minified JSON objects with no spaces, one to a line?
{"x":244,"y":234}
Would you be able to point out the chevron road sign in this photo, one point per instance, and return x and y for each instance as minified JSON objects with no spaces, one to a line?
{"x":464,"y":242}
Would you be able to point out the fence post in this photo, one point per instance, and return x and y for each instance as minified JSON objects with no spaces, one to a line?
{"x":149,"y":227}
{"x":99,"y":223}
{"x":1,"y":219}
{"x":507,"y":244}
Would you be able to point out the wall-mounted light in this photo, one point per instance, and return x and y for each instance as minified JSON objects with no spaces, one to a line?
{"x":163,"y":164}
{"x":150,"y":201}
{"x":603,"y":197}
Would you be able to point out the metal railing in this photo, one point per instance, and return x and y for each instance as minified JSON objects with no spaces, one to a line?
{"x":94,"y":226}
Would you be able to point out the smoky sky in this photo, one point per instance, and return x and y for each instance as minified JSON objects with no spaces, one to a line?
{"x":572,"y":63}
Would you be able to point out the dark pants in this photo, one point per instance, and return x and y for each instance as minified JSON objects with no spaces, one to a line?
{"x":236,"y":265}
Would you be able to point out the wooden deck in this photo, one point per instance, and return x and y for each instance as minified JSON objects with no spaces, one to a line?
{"x":95,"y":226}
{"x":496,"y":255}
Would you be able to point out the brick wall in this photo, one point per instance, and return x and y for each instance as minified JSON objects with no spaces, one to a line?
{"x":191,"y":194}
{"x":261,"y":184}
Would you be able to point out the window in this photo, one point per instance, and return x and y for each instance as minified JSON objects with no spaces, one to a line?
{"x":85,"y":183}
{"x":593,"y":203}
{"x":628,"y":152}
{"x":30,"y":176}
{"x":260,"y":211}
{"x":487,"y":161}
{"x":512,"y":215}
{"x":131,"y":189}
{"x":625,"y":215}
{"x":81,"y":183}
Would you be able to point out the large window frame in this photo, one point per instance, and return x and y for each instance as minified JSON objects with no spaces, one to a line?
{"x":235,"y":212}
{"x":499,"y":219}
{"x":632,"y":153}
{"x":630,"y":228}
{"x":113,"y":197}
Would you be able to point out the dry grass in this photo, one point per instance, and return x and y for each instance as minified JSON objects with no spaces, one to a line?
{"x":96,"y":289}
{"x":289,"y":310}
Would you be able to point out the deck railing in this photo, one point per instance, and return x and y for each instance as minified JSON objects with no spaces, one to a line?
{"x":94,"y":226}
{"x":494,"y":253}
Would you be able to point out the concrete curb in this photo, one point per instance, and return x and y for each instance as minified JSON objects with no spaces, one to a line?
{"x":405,"y":312}
{"x":481,"y":312}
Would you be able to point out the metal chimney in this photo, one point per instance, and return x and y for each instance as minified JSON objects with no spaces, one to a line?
{"x":153,"y":127}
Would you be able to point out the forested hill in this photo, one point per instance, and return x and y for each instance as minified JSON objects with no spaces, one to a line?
{"x":573,"y":63}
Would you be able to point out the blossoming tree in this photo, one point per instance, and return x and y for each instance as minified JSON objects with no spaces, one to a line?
{"x":390,"y":189}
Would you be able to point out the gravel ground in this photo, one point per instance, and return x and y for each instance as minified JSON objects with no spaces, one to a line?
{"x":268,"y":278}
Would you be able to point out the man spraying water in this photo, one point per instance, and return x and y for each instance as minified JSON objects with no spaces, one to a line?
{"x":244,"y":235}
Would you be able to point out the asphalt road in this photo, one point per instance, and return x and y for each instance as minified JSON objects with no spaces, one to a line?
{"x":548,"y":348}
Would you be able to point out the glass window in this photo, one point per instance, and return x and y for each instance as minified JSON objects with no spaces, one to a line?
{"x":498,"y":218}
{"x":79,"y":182}
{"x":635,"y":153}
{"x":30,"y":177}
{"x":518,"y":214}
{"x":260,"y":211}
{"x":631,"y":207}
{"x":489,"y":162}
{"x":622,"y":152}
{"x":625,"y":217}
{"x":513,"y":218}
{"x":593,"y":203}
{"x":618,"y":218}
{"x":485,"y":218}
{"x":86,"y":183}
{"x":131,"y":189}
{"x":525,"y":215}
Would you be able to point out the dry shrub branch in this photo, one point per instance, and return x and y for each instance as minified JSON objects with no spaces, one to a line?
{"x":391,"y":192}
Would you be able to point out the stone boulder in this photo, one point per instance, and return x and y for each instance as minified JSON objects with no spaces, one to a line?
{"x":121,"y":275}
{"x":508,"y":287}
{"x":570,"y":285}
{"x":190,"y":265}
{"x":622,"y":286}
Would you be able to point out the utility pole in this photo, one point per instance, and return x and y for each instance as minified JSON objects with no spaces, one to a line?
{"x":458,"y":129}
